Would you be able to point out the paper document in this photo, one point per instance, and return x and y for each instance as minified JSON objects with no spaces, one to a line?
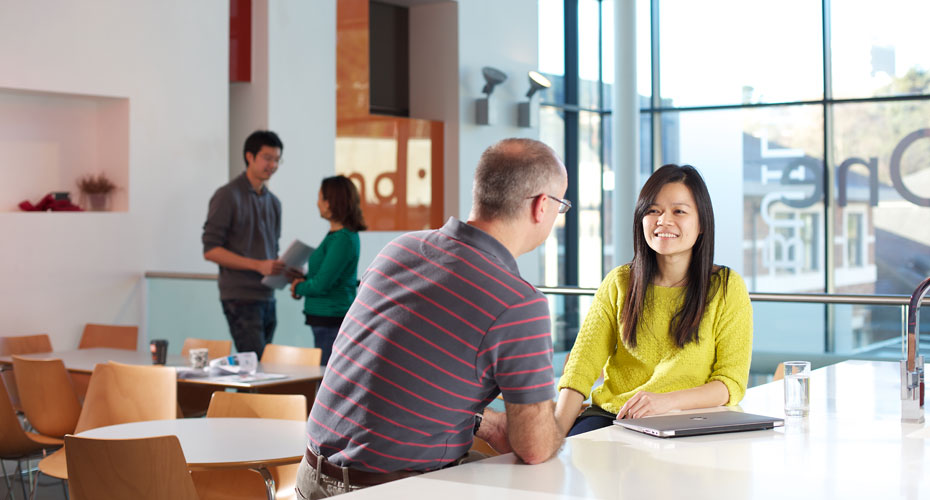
{"x":245,"y":377}
{"x":295,"y":256}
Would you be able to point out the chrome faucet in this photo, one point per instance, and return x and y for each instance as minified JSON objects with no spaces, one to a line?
{"x":912,"y":366}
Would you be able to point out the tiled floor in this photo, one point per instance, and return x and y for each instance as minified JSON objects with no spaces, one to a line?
{"x":49,"y":489}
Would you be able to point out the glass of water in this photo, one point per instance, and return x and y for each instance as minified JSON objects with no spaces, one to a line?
{"x":797,"y":388}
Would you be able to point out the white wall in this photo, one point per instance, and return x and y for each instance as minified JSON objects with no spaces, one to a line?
{"x":186,"y":127}
{"x":170,"y":59}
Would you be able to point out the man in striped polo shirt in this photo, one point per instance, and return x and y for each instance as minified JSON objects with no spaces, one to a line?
{"x":441,"y":325}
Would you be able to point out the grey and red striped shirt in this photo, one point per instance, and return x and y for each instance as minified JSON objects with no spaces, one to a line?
{"x":441,"y":325}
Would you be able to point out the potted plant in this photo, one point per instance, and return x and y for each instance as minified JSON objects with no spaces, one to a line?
{"x":96,"y":189}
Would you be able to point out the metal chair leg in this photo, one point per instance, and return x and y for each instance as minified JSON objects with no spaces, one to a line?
{"x":35,"y":485}
{"x":9,"y":486}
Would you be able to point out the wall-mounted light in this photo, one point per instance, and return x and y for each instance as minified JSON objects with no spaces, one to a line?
{"x":492,"y":77}
{"x":537,"y":82}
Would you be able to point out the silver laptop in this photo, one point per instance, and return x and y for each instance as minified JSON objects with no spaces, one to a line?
{"x":693,"y":424}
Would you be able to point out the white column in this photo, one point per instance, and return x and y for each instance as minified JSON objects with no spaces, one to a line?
{"x":626,"y":129}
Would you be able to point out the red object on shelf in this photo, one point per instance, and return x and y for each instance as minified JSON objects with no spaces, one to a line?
{"x":49,"y":203}
{"x":240,"y":40}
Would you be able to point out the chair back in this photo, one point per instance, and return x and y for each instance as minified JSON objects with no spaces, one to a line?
{"x":23,"y":344}
{"x":216,"y":348}
{"x":779,"y":372}
{"x":151,"y":468}
{"x":120,"y":394}
{"x":47,"y":395}
{"x":246,"y":484}
{"x":14,"y":442}
{"x":254,"y":405}
{"x":292,"y":355}
{"x":113,"y":336}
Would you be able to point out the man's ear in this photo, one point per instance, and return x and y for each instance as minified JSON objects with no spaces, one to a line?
{"x":539,"y":208}
{"x":249,"y":158}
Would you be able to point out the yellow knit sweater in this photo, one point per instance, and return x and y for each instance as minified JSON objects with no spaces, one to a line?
{"x":723,"y":351}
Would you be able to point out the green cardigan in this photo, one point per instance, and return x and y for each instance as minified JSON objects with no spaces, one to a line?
{"x":332,"y":274}
{"x":723,"y":351}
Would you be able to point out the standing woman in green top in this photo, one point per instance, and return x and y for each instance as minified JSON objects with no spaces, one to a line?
{"x":332,"y":270}
{"x":668,"y":331}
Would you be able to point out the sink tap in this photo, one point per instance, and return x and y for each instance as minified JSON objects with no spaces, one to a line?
{"x":912,"y":366}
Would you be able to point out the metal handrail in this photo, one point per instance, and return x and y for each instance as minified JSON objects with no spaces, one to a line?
{"x":811,"y":298}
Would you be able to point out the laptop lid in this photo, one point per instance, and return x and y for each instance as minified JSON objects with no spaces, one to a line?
{"x":693,"y":424}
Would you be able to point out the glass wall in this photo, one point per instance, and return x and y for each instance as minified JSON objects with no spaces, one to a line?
{"x":810,"y":122}
{"x":822,"y":111}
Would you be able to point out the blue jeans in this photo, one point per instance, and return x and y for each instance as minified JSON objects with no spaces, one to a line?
{"x":251,"y":323}
{"x":323,"y":337}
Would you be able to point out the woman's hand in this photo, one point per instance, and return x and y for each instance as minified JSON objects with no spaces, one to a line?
{"x":294,"y":287}
{"x":643,"y":404}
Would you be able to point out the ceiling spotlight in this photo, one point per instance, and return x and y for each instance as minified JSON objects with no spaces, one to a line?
{"x":537,"y":82}
{"x":492,"y":77}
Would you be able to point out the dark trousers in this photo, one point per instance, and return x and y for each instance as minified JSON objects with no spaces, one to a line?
{"x":592,"y":418}
{"x":251,"y":323}
{"x":323,"y":337}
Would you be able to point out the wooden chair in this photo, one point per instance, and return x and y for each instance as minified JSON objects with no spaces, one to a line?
{"x":48,"y":398}
{"x":292,"y":355}
{"x":23,"y":344}
{"x":779,"y":372}
{"x":234,"y":484}
{"x":193,"y":400}
{"x":119,"y":394}
{"x":150,"y":468}
{"x":113,"y":336}
{"x":17,"y":444}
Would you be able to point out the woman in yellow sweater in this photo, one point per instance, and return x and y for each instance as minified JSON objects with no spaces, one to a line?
{"x":668,"y":331}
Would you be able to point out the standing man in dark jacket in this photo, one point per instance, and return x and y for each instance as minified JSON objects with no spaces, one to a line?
{"x":241,"y":235}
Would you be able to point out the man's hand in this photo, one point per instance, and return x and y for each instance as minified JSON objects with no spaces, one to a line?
{"x":643,"y":404}
{"x":493,"y":430}
{"x":293,"y":273}
{"x":294,"y":287}
{"x":270,"y":267}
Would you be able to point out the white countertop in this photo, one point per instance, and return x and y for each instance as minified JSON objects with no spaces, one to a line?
{"x":852,"y":445}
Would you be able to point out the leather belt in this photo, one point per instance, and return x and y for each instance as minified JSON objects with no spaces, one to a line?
{"x":356,"y":477}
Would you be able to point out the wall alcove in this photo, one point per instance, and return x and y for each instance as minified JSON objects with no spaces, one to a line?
{"x":50,"y":140}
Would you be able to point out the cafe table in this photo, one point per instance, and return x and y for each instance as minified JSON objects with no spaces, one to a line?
{"x":852,"y":445}
{"x":83,"y":361}
{"x":223,"y":443}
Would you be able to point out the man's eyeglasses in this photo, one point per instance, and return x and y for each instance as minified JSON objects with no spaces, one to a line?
{"x":272,"y":159}
{"x":564,"y":205}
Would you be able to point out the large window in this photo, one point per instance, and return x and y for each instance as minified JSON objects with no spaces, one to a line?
{"x":576,"y":53}
{"x":810,"y":122}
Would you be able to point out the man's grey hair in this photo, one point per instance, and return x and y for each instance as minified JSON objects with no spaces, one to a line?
{"x":509,"y":173}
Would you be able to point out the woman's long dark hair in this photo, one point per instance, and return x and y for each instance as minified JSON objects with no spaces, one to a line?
{"x":344,"y":202}
{"x":703,"y":281}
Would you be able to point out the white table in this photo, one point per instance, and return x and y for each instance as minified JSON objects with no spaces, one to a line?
{"x":223,"y":443}
{"x":84,"y":360}
{"x":852,"y":445}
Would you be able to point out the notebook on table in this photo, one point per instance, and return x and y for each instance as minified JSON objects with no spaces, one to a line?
{"x":694,"y":424}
